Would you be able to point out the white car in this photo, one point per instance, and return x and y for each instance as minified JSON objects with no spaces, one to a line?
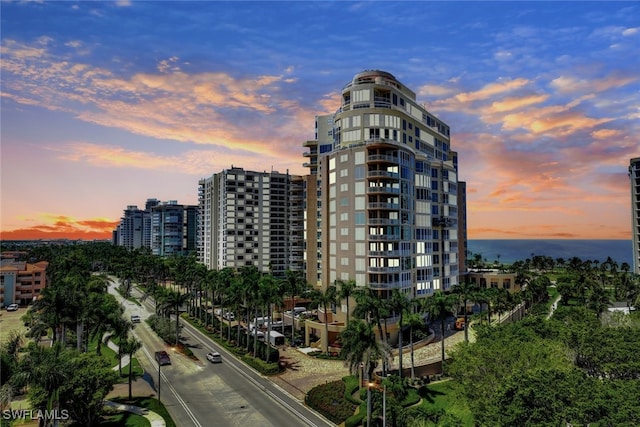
{"x":13,"y":307}
{"x":136,"y":319}
{"x":214,"y":357}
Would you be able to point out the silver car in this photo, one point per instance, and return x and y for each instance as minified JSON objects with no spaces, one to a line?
{"x":214,"y":357}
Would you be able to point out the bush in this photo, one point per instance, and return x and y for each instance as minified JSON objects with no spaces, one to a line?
{"x":328,"y":399}
{"x":261,"y":366}
{"x":351,"y":386}
{"x":165,"y":328}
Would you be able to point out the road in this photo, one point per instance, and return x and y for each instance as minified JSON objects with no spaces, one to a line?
{"x":198,"y":393}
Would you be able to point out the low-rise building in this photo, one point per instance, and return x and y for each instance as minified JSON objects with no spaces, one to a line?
{"x":21,"y":282}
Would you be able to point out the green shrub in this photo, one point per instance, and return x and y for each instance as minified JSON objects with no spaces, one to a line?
{"x":356,"y":419}
{"x":261,"y":366}
{"x":328,"y":399}
{"x":351,"y":386}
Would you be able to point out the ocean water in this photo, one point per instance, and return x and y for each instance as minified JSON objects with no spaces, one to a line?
{"x":519,"y":250}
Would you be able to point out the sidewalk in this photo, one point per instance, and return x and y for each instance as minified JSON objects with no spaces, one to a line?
{"x":154,"y":419}
{"x":124,"y":360}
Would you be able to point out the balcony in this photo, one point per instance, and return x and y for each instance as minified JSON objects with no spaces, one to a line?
{"x":383,"y":221}
{"x":383,"y":269}
{"x":382,"y":158}
{"x":382,"y":173}
{"x":384,"y":189}
{"x":384,"y":237}
{"x":383,"y":205}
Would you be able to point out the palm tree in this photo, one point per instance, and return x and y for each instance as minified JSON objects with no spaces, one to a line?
{"x":121,"y":329}
{"x":370,"y":306}
{"x":294,"y":284}
{"x":465,"y":290}
{"x":360,"y":348}
{"x":399,"y":304}
{"x":598,"y":299}
{"x":414,"y":320}
{"x":226,"y":281}
{"x":439,"y":306}
{"x":345,"y":291}
{"x":177,"y":299}
{"x":129,"y":347}
{"x":270,"y":290}
{"x":325,"y":299}
{"x":47,"y":369}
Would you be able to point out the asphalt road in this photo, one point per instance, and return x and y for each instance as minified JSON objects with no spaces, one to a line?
{"x":198,"y":393}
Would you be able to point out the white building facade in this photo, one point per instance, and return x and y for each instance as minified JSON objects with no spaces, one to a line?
{"x":388,"y":214}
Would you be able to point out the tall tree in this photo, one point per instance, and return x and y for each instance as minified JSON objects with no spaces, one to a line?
{"x":294,"y":284}
{"x":83,"y":393}
{"x":129,"y":347}
{"x":465,"y":290}
{"x":45,"y":370}
{"x":176,"y":300}
{"x":440,"y":306}
{"x":400,"y":305}
{"x":360,"y":348}
{"x":346,"y":289}
{"x":325,"y":299}
{"x":370,"y":307}
{"x":414,"y":321}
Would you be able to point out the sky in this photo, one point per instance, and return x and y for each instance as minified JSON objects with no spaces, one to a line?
{"x":107,"y":104}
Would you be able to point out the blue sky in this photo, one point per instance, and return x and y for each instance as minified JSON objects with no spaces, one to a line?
{"x":106,"y":104}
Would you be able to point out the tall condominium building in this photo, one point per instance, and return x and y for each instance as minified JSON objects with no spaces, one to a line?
{"x":166,"y":228}
{"x":634,"y":176}
{"x":173,"y":228}
{"x":129,"y":232}
{"x":388,"y":213}
{"x":251,"y":218}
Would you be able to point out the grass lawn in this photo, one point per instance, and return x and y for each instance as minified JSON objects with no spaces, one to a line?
{"x":444,"y":395}
{"x":112,"y":358}
{"x":127,"y":419}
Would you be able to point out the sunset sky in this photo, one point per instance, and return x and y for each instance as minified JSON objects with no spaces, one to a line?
{"x":106,"y":104}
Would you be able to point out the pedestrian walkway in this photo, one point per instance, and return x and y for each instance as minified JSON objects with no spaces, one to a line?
{"x":124,"y":360}
{"x":154,"y":418}
{"x":304,"y":372}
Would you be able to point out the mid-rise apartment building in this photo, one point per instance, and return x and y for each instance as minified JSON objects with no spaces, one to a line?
{"x":21,"y":282}
{"x":634,"y":177}
{"x":387,"y":211}
{"x":251,"y":218}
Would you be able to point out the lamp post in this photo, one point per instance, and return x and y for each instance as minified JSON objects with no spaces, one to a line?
{"x":369,"y":385}
{"x":384,"y":402}
{"x":159,"y":380}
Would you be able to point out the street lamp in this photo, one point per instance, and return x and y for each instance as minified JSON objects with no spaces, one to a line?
{"x":369,"y":385}
{"x":384,"y":402}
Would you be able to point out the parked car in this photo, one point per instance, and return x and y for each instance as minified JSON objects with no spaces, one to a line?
{"x":162,"y":357}
{"x":214,"y":357}
{"x":136,"y":319}
{"x":13,"y":307}
{"x":229,"y":316}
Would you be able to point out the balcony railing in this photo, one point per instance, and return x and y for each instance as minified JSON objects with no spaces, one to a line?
{"x":385,"y":189}
{"x":384,"y":237}
{"x":382,"y":157}
{"x":383,"y":221}
{"x":379,"y":173}
{"x":382,"y":205}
